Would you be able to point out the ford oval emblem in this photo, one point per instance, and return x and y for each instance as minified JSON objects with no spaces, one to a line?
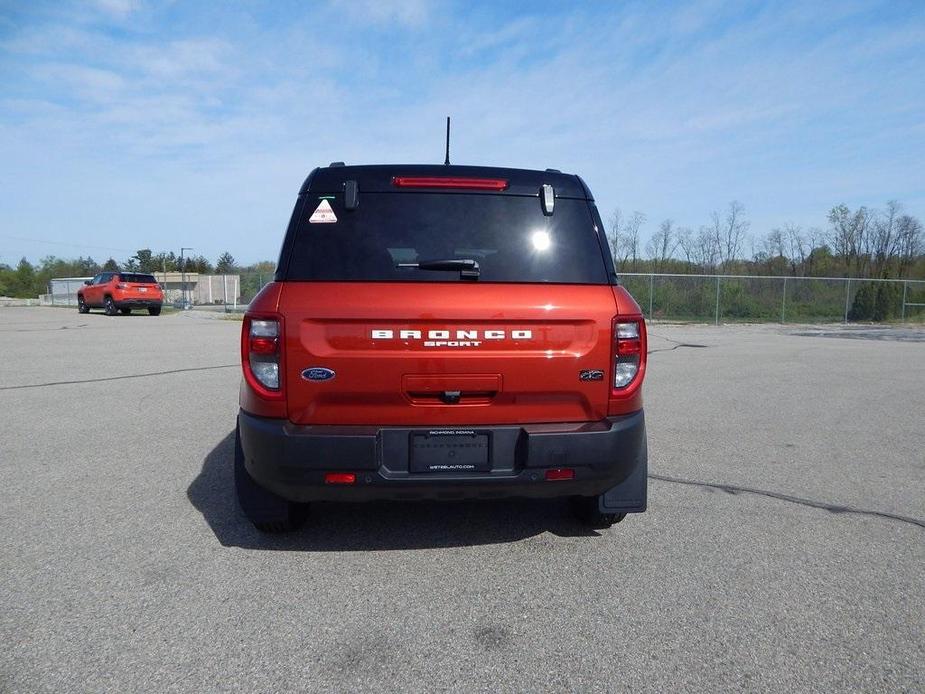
{"x":318,"y":373}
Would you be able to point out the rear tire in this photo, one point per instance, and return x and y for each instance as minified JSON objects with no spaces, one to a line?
{"x":154,"y":311}
{"x":586,"y":510}
{"x":82,"y":305}
{"x":125,"y":311}
{"x":109,"y":306}
{"x":268,"y":512}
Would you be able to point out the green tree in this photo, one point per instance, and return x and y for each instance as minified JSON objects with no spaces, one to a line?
{"x":199,"y":264}
{"x":864,"y":304}
{"x":145,"y":260}
{"x":24,"y":280}
{"x":111,"y":265}
{"x":166,"y":262}
{"x":264,"y":267}
{"x":225,"y":264}
{"x":888,"y":300}
{"x":6,"y":276}
{"x":87,"y":266}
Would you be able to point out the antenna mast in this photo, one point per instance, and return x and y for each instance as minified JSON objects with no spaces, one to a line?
{"x":447,"y":161}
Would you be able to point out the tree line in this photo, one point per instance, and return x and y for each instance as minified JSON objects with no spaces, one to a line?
{"x":863,"y":243}
{"x":27,"y":280}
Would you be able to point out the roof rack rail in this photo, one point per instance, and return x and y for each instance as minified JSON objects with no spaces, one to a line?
{"x":337,"y":163}
{"x":553,"y":171}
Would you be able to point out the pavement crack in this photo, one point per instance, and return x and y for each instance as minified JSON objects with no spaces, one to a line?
{"x":676,"y":344}
{"x":42,"y":330}
{"x":812,"y":503}
{"x":680,"y":344}
{"x":119,"y":378}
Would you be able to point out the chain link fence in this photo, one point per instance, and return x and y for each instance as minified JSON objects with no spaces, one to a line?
{"x":231,"y":293}
{"x":731,"y":298}
{"x":701,"y":298}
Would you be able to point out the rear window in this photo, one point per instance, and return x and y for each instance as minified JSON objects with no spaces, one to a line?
{"x":509,"y":236}
{"x":137,"y":278}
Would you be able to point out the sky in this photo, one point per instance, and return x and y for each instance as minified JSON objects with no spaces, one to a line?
{"x":127,"y":124}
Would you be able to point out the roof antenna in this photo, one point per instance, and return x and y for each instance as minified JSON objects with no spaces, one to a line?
{"x":447,"y":162}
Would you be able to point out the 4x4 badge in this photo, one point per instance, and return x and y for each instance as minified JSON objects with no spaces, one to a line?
{"x":591,"y":375}
{"x":318,"y":373}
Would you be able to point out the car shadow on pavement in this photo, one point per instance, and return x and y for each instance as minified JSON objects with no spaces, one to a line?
{"x":378,"y":525}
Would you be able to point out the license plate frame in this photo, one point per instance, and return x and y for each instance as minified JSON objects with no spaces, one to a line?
{"x":450,"y":451}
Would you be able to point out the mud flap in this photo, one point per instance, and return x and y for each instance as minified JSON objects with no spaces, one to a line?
{"x":262,"y":507}
{"x":629,"y":496}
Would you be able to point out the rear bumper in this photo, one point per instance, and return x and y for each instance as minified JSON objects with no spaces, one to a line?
{"x":609,"y":457}
{"x":138,"y":303}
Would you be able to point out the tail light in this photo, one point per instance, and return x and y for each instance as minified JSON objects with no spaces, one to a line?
{"x":560,"y":473}
{"x":449,"y":182}
{"x":629,"y":336}
{"x":261,"y":355}
{"x":121,"y":286}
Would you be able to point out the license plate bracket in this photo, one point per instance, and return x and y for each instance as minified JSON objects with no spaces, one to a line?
{"x":451,"y":451}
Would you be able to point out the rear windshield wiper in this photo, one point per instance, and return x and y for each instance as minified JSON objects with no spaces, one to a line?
{"x":468,"y":268}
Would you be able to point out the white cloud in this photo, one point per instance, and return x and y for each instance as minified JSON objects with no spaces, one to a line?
{"x":87,"y":84}
{"x":410,"y":13}
{"x":119,"y":9}
{"x":181,"y":59}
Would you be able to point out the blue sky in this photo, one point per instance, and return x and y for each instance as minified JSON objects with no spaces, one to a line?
{"x":134,"y":123}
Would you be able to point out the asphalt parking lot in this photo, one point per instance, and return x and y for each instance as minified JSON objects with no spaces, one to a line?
{"x":783,"y":548}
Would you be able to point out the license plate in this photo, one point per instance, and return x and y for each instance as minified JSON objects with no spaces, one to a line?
{"x":142,"y":289}
{"x":450,"y":450}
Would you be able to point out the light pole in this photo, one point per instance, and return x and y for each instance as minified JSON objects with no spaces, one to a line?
{"x":183,"y":276}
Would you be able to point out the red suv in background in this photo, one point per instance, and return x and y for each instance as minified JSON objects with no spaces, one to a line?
{"x":116,"y":292}
{"x":442,"y":332}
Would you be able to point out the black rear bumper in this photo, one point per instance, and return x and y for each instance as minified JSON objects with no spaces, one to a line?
{"x":608,"y":457}
{"x":138,"y":303}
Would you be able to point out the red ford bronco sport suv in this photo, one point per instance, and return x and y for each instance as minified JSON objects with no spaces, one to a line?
{"x":116,"y":292}
{"x":442,"y":332}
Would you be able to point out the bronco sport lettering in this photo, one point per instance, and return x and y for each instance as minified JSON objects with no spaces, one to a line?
{"x":442,"y":338}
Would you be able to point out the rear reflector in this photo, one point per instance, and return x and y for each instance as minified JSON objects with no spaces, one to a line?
{"x":560,"y":473}
{"x":448,"y":182}
{"x":263,"y":345}
{"x":340,"y":478}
